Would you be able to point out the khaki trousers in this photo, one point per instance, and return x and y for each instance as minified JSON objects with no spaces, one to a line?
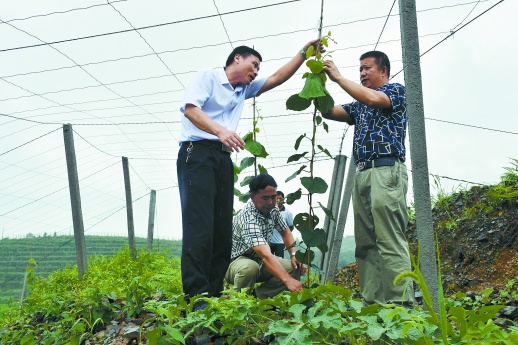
{"x":380,"y":221}
{"x":245,"y":273}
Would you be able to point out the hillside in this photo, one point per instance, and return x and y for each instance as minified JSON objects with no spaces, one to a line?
{"x":55,"y":252}
{"x":477,"y":231}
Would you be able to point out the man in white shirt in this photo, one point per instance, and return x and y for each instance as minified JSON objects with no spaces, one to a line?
{"x":277,"y":243}
{"x":212,"y":106}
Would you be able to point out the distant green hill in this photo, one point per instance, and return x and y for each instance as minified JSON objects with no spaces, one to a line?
{"x":55,"y":252}
{"x":347,"y":251}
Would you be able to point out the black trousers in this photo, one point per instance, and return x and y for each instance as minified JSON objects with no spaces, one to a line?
{"x":277,"y":249}
{"x":206,"y":183}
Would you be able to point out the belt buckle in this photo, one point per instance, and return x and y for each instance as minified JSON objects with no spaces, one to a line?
{"x":361,"y":165}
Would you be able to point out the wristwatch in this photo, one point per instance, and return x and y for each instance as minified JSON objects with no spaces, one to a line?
{"x":292,"y":254}
{"x":303,"y":53}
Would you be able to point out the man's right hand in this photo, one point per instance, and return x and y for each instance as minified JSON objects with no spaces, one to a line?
{"x":294,"y":285}
{"x":331,"y":70}
{"x":231,"y":140}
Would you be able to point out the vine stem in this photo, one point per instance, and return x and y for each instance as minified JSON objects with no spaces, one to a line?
{"x":313,"y":141}
{"x":254,"y":106}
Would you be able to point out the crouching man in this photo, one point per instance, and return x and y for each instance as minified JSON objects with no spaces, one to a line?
{"x":252,"y":260}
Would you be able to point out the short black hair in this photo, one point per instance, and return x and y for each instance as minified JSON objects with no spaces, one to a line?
{"x":244,"y":51}
{"x":382,"y":59}
{"x":261,"y":181}
{"x":280,"y":193}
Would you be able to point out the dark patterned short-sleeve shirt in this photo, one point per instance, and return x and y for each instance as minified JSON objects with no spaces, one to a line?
{"x":251,"y":229}
{"x":380,"y":132}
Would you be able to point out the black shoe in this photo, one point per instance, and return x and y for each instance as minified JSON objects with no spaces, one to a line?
{"x":200,"y":305}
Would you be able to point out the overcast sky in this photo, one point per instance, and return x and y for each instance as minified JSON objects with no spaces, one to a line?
{"x":117,"y":72}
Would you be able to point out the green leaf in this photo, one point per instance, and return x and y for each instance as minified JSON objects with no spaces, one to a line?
{"x":290,"y":198}
{"x":295,"y":174}
{"x":324,"y":103}
{"x":309,"y":52}
{"x":262,"y":169}
{"x":323,"y":77}
{"x":314,"y":185}
{"x":306,"y":256}
{"x":313,"y":238}
{"x":244,"y":197}
{"x":173,"y":333}
{"x":325,"y":151}
{"x":318,"y":119}
{"x":246,"y":162}
{"x":236,"y":168}
{"x":299,"y":139}
{"x":79,"y":327}
{"x":303,"y":221}
{"x":297,"y":103}
{"x":315,"y":66}
{"x":326,"y":127}
{"x":237,"y":192}
{"x":248,"y":136}
{"x":296,"y":157}
{"x":324,"y":40}
{"x":246,"y":181}
{"x":152,"y":335}
{"x":323,"y":247}
{"x":327,"y":211}
{"x":313,"y":87}
{"x":256,"y":148}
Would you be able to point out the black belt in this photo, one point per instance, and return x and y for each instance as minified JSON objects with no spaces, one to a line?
{"x":380,"y":162}
{"x":213,"y":144}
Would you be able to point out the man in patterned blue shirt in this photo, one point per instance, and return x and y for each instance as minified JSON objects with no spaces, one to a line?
{"x":251,"y":260}
{"x":381,"y":181}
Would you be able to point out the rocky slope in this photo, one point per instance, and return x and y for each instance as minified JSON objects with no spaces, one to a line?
{"x":478,"y":240}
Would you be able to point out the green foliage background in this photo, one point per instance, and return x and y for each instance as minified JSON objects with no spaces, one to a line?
{"x":56,"y":252}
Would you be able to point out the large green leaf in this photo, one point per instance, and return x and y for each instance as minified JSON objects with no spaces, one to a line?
{"x":246,"y":162}
{"x":296,"y":157}
{"x":313,"y":238}
{"x":303,"y":222}
{"x":246,"y":181}
{"x":315,"y":66}
{"x":295,"y":174}
{"x":297,"y":103}
{"x":303,"y":256}
{"x":255,"y":148}
{"x":313,"y":87}
{"x":324,"y":103}
{"x":290,"y":198}
{"x":314,"y":185}
{"x":244,"y":197}
{"x":323,"y":247}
